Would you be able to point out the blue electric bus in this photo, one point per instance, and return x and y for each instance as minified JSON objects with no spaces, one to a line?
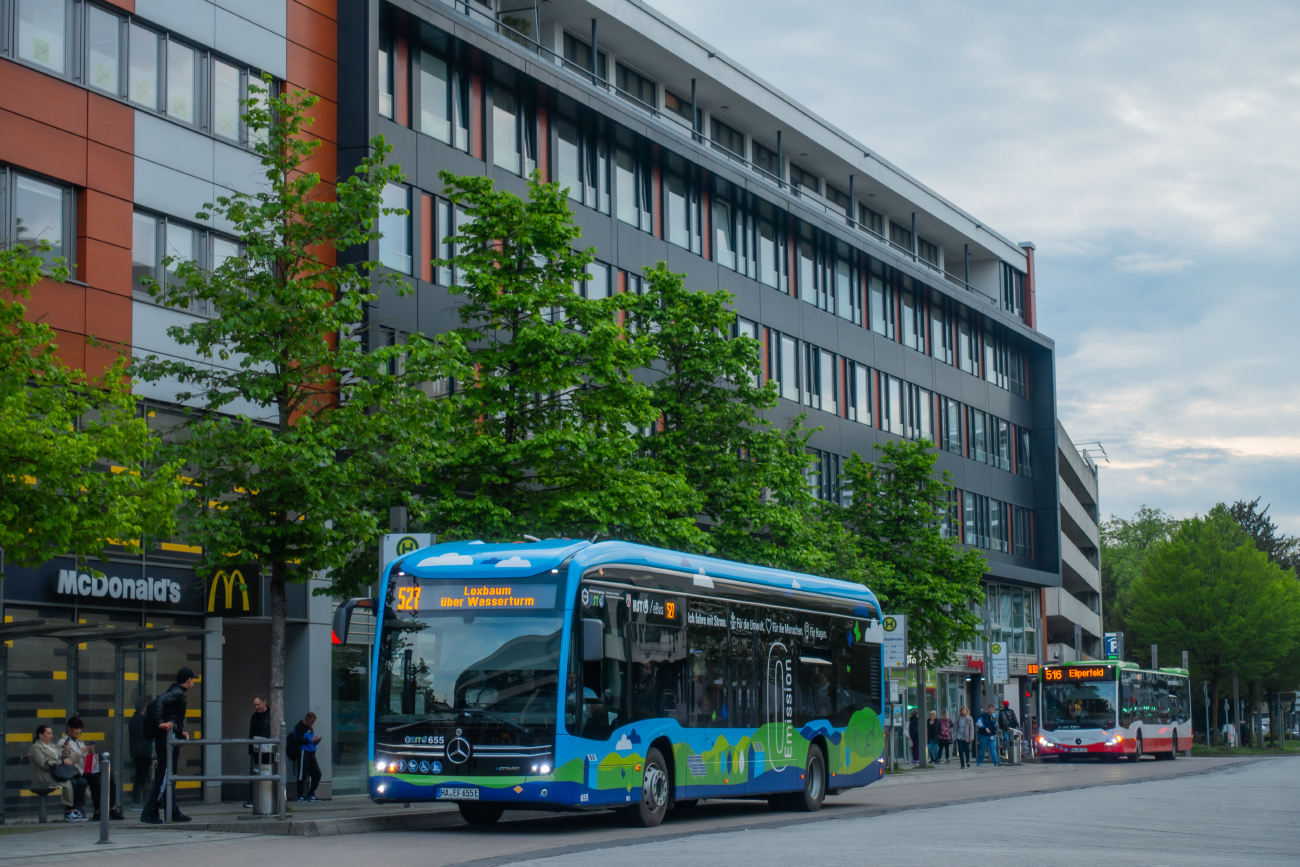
{"x":566,"y":675}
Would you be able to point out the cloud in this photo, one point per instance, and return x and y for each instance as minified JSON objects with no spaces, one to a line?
{"x":514,"y":563}
{"x":448,"y":559}
{"x":623,"y":743}
{"x":1151,"y":158}
{"x":1151,"y":263}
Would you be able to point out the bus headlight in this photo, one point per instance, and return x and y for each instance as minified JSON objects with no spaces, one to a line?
{"x":542,"y":768}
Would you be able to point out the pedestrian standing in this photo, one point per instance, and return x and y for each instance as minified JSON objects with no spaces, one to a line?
{"x":1007,"y":723}
{"x":914,"y":733}
{"x":944,"y":730}
{"x":965,"y":736}
{"x":986,"y":728}
{"x":259,"y":726}
{"x":308,"y":769}
{"x":141,"y":753}
{"x":44,"y":757}
{"x":166,"y":716}
{"x":932,"y":736}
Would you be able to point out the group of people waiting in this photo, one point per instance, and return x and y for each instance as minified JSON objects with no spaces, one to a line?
{"x":990,"y":729}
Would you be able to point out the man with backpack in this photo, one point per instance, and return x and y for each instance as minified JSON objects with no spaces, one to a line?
{"x":1006,"y":722}
{"x":304,"y":741}
{"x":166,"y":715}
{"x":986,"y":728}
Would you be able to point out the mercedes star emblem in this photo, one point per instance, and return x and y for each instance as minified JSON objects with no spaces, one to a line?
{"x":458,"y":751}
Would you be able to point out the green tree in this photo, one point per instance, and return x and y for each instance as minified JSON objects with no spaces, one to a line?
{"x":750,"y":476}
{"x":1125,"y":544}
{"x":302,"y":479}
{"x":897,"y":511}
{"x":545,"y":425}
{"x":1281,"y":549}
{"x":1210,"y":591}
{"x":77,"y":462}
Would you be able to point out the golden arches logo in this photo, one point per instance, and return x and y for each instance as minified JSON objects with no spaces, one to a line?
{"x":233,"y":581}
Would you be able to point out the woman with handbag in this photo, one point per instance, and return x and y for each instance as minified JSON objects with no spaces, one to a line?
{"x":50,"y":770}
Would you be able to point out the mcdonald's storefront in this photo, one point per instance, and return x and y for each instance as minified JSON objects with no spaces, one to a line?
{"x":48,"y":679}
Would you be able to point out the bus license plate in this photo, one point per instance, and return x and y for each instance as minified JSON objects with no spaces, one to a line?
{"x":447,"y":793}
{"x":1072,"y":749}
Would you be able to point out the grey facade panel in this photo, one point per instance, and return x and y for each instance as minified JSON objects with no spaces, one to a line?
{"x":193,"y":19}
{"x":251,"y":43}
{"x":273,"y":15}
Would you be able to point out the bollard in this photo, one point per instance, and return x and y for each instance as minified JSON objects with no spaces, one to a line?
{"x":105,"y":788}
{"x":263,"y":794}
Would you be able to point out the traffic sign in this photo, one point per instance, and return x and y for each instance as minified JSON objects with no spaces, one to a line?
{"x":894,"y":646}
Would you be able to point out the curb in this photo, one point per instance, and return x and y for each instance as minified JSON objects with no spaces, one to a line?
{"x":420,"y":821}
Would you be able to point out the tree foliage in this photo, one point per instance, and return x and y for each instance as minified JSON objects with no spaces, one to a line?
{"x":750,"y":477}
{"x":896,"y":513}
{"x":78,"y":468}
{"x":1281,"y":549}
{"x":1125,"y":545}
{"x":1210,"y":591}
{"x":302,"y":426}
{"x":545,"y":425}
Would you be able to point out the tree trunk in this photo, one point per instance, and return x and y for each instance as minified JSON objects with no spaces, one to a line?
{"x":1214,"y":715}
{"x":278,"y":615}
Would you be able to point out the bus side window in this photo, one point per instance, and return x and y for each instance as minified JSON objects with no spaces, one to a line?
{"x":657,"y":662}
{"x":815,"y":670}
{"x":857,"y":672}
{"x":746,"y":708}
{"x":706,"y":637}
{"x":1126,"y":699}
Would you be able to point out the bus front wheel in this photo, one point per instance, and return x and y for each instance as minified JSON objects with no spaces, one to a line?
{"x":814,"y":786}
{"x":1137,"y":748}
{"x":480,"y":813}
{"x":649,"y":811}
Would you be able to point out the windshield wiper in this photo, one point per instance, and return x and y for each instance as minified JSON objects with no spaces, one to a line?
{"x":487,"y":713}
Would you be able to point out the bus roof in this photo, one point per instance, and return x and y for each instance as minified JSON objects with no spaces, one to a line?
{"x":517,"y":559}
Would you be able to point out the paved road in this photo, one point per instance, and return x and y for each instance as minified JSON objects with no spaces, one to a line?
{"x":1217,"y":811}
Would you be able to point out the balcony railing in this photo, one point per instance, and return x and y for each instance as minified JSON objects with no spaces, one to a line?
{"x":484,"y":17}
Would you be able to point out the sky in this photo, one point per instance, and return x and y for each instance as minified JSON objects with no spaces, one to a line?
{"x":1151,"y":152}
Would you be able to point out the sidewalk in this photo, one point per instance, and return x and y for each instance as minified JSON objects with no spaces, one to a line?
{"x":948,"y":773}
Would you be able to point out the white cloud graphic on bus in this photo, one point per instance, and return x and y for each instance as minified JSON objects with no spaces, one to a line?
{"x":514,"y":563}
{"x":448,"y":559}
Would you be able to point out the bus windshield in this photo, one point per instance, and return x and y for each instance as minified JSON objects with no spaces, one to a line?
{"x":442,"y":664}
{"x":1078,"y":706}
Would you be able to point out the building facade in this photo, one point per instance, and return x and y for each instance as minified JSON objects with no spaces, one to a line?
{"x":1074,"y":611}
{"x":884,"y":310}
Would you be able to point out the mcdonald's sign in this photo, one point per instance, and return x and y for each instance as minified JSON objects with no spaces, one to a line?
{"x":233,"y":594}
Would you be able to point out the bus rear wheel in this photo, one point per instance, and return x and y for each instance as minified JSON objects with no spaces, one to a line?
{"x":1173,"y":752}
{"x":480,"y":813}
{"x":649,"y":811}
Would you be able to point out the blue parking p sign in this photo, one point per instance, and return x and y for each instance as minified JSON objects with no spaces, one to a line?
{"x":1112,"y":645}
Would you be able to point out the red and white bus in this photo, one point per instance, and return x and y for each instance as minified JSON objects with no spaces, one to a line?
{"x":1111,"y":709}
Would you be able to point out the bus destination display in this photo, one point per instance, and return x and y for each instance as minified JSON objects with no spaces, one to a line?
{"x":1078,"y":674}
{"x":474,"y":597}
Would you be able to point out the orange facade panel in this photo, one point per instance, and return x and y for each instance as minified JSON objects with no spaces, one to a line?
{"x":105,"y":267}
{"x":44,"y":98}
{"x":328,"y":8}
{"x":110,"y":171}
{"x":110,"y":123}
{"x":58,"y":305}
{"x":109,"y":317}
{"x":104,"y":218}
{"x":41,"y":148}
{"x":309,"y":71}
{"x":313,"y":30}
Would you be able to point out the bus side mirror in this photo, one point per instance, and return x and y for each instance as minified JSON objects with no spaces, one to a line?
{"x":593,"y":640}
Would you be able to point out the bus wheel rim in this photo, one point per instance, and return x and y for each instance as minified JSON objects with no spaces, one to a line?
{"x":654,"y":787}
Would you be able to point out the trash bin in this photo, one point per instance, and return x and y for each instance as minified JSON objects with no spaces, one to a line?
{"x":264,"y":790}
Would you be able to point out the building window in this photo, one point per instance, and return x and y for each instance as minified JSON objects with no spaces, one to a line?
{"x":43,"y":29}
{"x":726,"y":139}
{"x":824,"y":476}
{"x":950,"y":425}
{"x":182,"y":69}
{"x":900,"y":237}
{"x":385,"y":77}
{"x":806,"y":265}
{"x":941,"y":338}
{"x":871,"y":221}
{"x":582,"y":164}
{"x":950,"y":519}
{"x":920,"y":413}
{"x":927,"y":252}
{"x":632,"y":184}
{"x":848,"y":297}
{"x":967,"y":345}
{"x":839,"y":201}
{"x":444,"y":101}
{"x":783,"y":365}
{"x":858,"y":381}
{"x":801,"y":178}
{"x":893,"y":406}
{"x":881,"y":296}
{"x":820,"y":386}
{"x":770,"y":246}
{"x":1013,"y":291}
{"x":765,"y":160}
{"x":142,"y":51}
{"x":913,"y":312}
{"x":1022,"y":532}
{"x":976,"y":422}
{"x":103,"y":50}
{"x":1002,"y":444}
{"x":746,"y":328}
{"x":36,"y":211}
{"x":577,"y":57}
{"x":678,"y":108}
{"x":156,"y":238}
{"x":998,"y":535}
{"x":682,"y":204}
{"x":395,"y":229}
{"x":505,"y":130}
{"x":1024,"y":466}
{"x":635,"y":87}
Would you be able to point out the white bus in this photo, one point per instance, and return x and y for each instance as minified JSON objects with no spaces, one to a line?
{"x":1112,"y":709}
